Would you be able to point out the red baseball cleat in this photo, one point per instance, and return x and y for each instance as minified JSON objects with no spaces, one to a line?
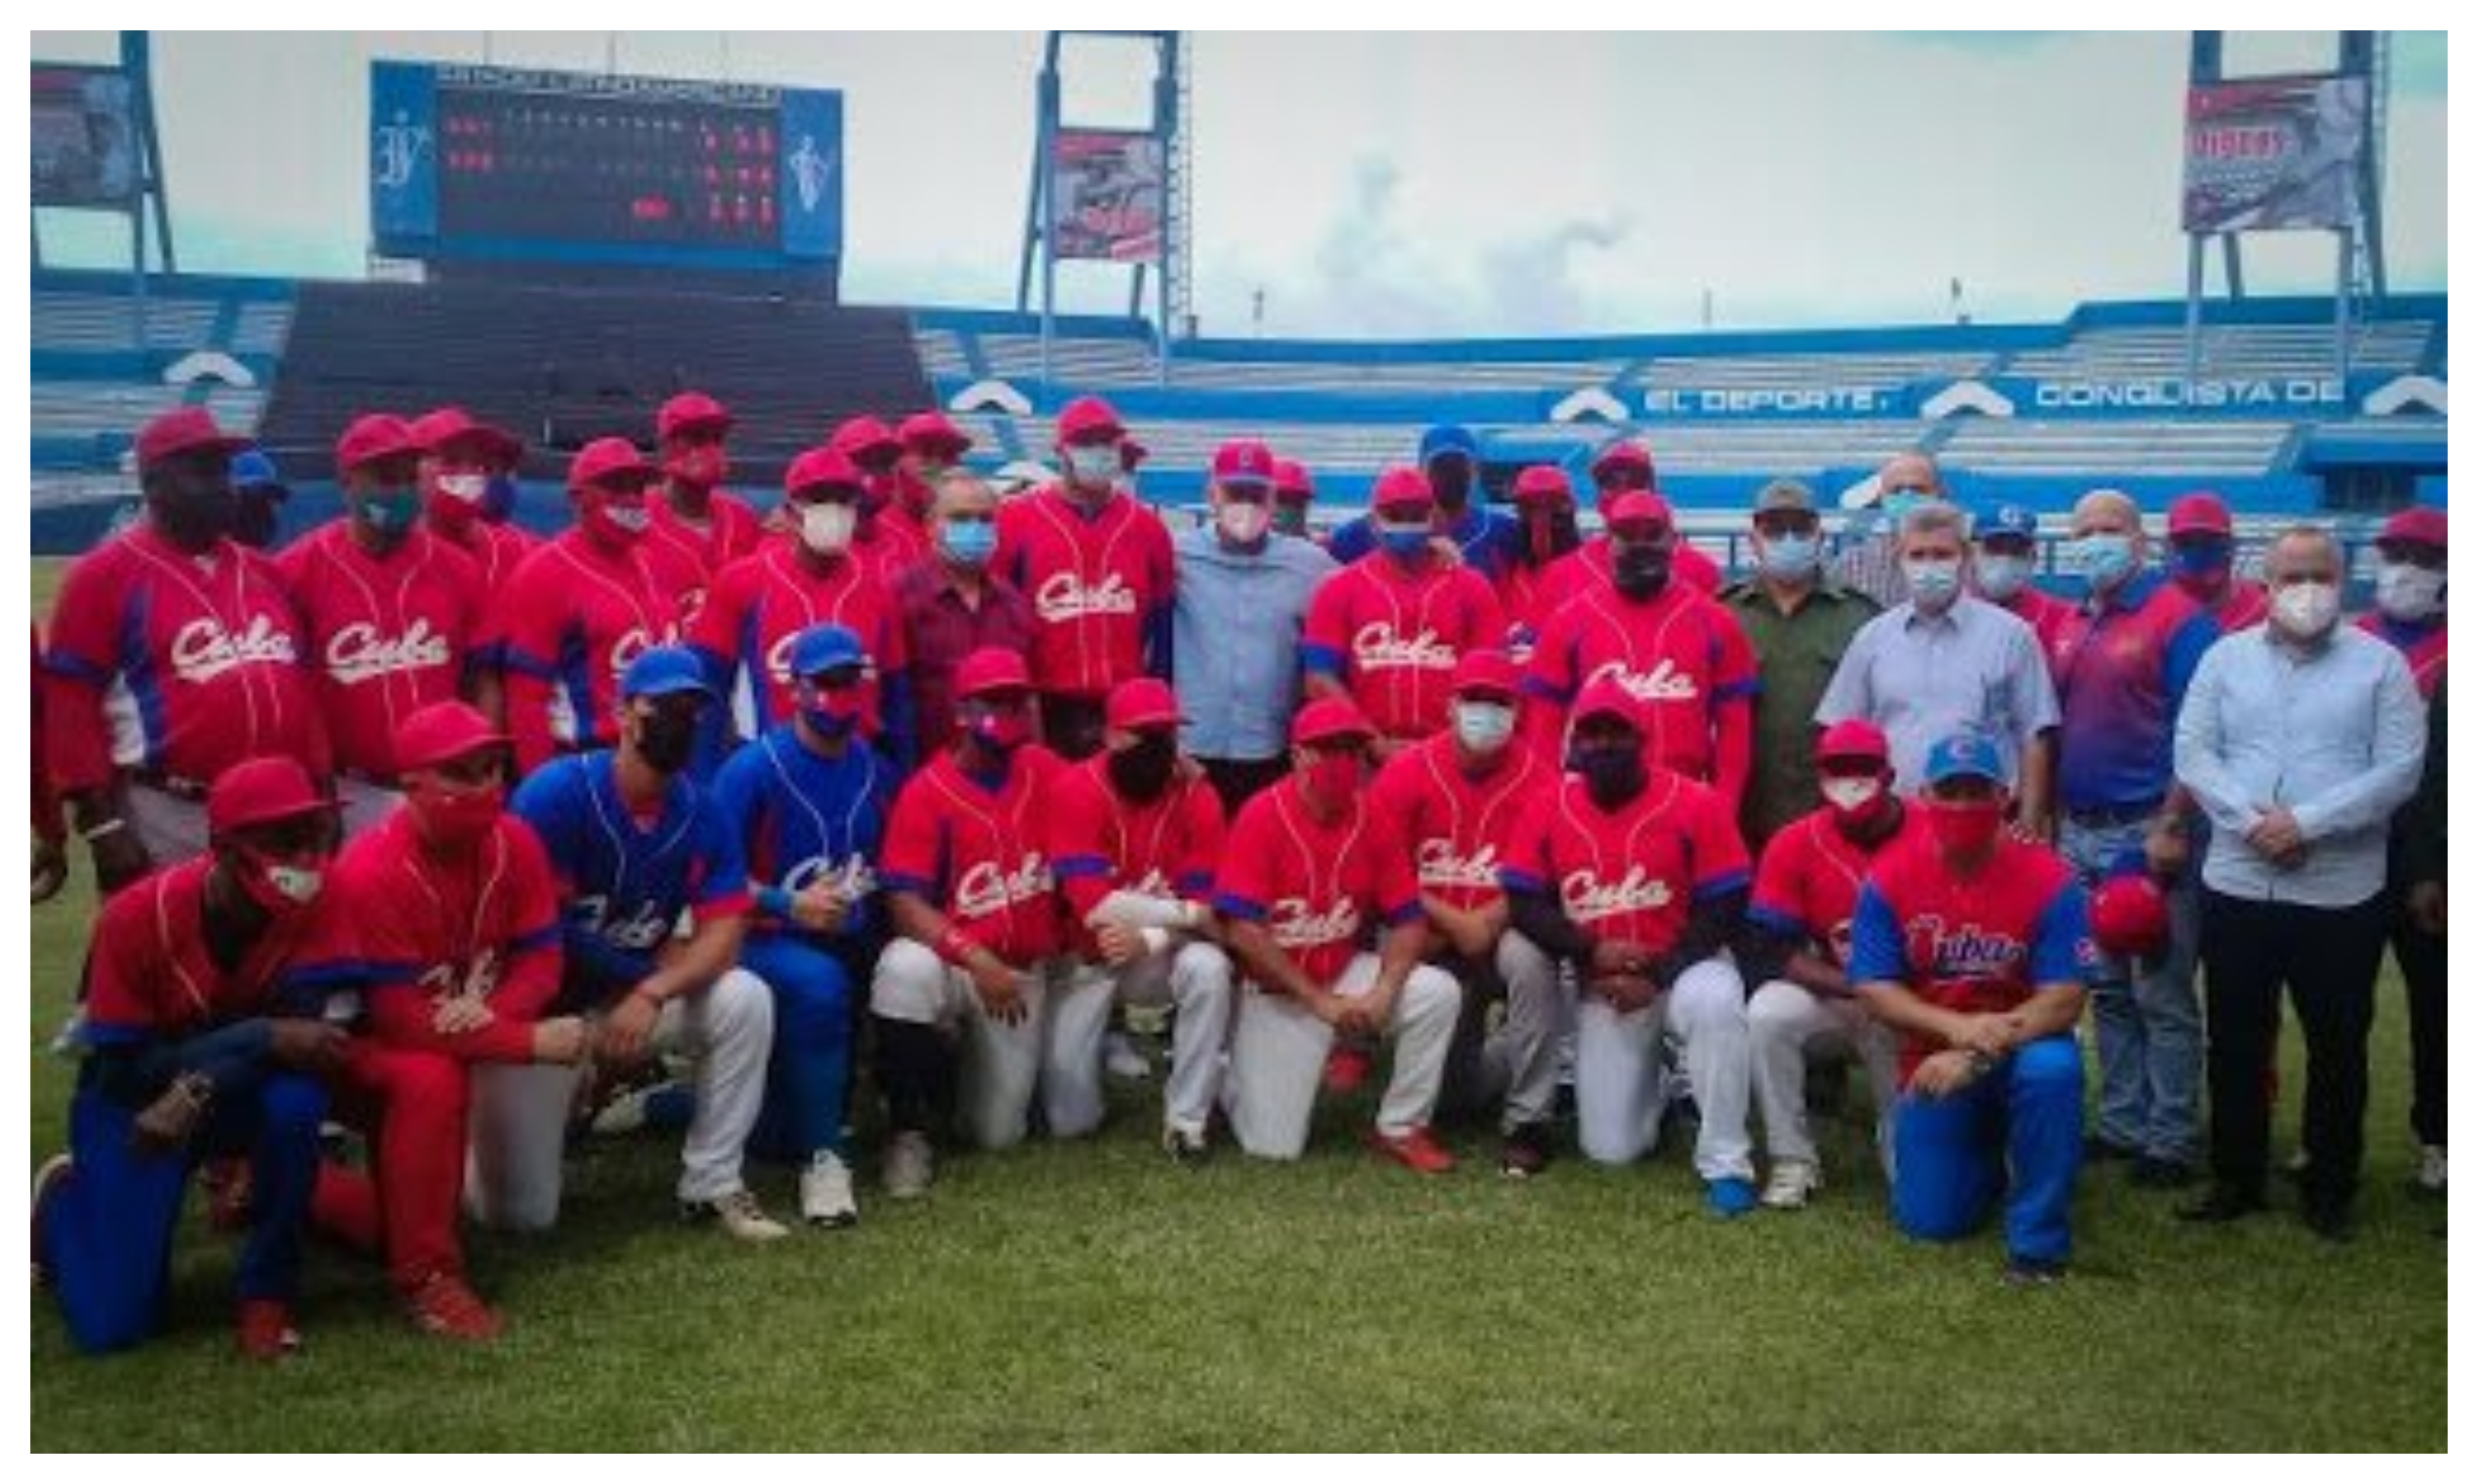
{"x":443,"y":1305}
{"x":265,"y":1330}
{"x":1417,"y":1150}
{"x":1345,"y":1070}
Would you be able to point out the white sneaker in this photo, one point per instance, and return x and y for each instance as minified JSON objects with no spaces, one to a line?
{"x":1792,"y":1182}
{"x":738,"y":1213}
{"x":1122,"y":1061}
{"x":910,"y":1165}
{"x":2430,"y":1168}
{"x":826,"y":1191}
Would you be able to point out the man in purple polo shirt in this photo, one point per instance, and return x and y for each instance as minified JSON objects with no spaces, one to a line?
{"x":2121,"y":668}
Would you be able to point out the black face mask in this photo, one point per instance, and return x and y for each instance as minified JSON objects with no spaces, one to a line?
{"x":193,"y":510}
{"x":1640,"y":573}
{"x":1144,"y":771}
{"x":1550,"y":534}
{"x":254,"y":521}
{"x":1612,"y":775}
{"x":664,"y":739}
{"x":1451,"y":479}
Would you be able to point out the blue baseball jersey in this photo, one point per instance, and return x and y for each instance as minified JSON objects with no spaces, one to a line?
{"x":1486,"y":538}
{"x":802,"y":819}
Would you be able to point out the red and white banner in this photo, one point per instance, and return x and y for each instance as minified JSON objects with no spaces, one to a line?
{"x":1106,"y":196}
{"x":2272,"y":153}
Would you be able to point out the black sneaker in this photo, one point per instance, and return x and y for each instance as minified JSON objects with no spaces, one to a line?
{"x":2099,"y":1150}
{"x":2154,"y":1173}
{"x":1189,"y":1151}
{"x":2223,"y":1205}
{"x":1525,"y":1151}
{"x":2331,"y":1221}
{"x":2033,"y":1271}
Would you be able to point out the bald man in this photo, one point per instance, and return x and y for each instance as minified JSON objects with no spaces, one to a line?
{"x":1874,"y":566}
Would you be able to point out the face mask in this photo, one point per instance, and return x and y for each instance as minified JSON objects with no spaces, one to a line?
{"x":1092,"y":465}
{"x":279,"y":887}
{"x":2306,"y":610}
{"x":968,"y":543}
{"x":2407,"y":591}
{"x":1852,"y":796}
{"x":1333,"y":776}
{"x":614,"y":525}
{"x":1291,"y":517}
{"x":2203,"y":568}
{"x":1640,"y":573}
{"x":499,"y":498}
{"x":832,"y":714}
{"x":1451,"y":479}
{"x":390,"y":513}
{"x":1966,"y":828}
{"x":453,"y":817}
{"x":2001,"y":577}
{"x":1790,"y":557}
{"x":702,"y":467}
{"x":1403,"y":540}
{"x":1244,"y":523}
{"x":1612,"y":775}
{"x":1144,"y":771}
{"x":254,"y":522}
{"x":1896,"y":506}
{"x":466,"y":490}
{"x":1002,"y":732}
{"x":2102,"y":558}
{"x":1933,"y":584}
{"x":197,"y":514}
{"x":827,"y":529}
{"x":1482,"y":726}
{"x":666,"y":740}
{"x":1552,"y":532}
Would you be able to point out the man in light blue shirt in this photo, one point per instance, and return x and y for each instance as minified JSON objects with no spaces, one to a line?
{"x":2298,"y":739}
{"x":1242,"y":599}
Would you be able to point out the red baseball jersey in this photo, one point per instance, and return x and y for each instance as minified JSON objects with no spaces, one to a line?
{"x":1316,"y":886}
{"x":1806,"y":885}
{"x":1682,"y":655}
{"x":388,"y":634}
{"x":183,"y":665}
{"x":2421,"y":644}
{"x":2052,"y":619}
{"x":1101,"y":586}
{"x":1592,"y":564}
{"x":1635,"y":874}
{"x":1458,"y":827}
{"x":689,"y":559}
{"x":150,"y":975}
{"x":573,"y":618}
{"x":903,"y":537}
{"x":981,"y":855}
{"x":2246,"y":604}
{"x":1529,"y":601}
{"x":1393,"y":636}
{"x":495,"y":550}
{"x":760,"y":603}
{"x":413,"y":929}
{"x":1101,"y":842}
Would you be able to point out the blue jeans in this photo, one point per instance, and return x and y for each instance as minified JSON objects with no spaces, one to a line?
{"x":809,"y":1073}
{"x":2150,"y":1027}
{"x":2015,"y":1133}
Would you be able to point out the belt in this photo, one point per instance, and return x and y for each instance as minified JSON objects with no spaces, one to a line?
{"x":174,"y":783}
{"x":2112,"y":814}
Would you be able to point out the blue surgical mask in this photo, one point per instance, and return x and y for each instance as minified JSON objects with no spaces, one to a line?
{"x":2102,"y":558}
{"x":1406,"y":542}
{"x":1933,"y":584}
{"x":2002,"y":576}
{"x":499,"y":497}
{"x":1484,"y":726}
{"x":2202,"y":559}
{"x":1789,"y":558}
{"x":968,"y":543}
{"x":1898,"y":503}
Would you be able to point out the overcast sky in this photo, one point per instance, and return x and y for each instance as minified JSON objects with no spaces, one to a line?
{"x":1406,"y":184}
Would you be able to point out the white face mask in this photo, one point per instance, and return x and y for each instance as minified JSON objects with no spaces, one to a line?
{"x":1482,"y":726}
{"x":2001,"y":577}
{"x":1092,"y":465}
{"x":1244,"y":522}
{"x":296,"y":883}
{"x":2408,"y":591}
{"x":827,"y":529}
{"x":2306,"y":610}
{"x":1934,"y":583}
{"x":468,"y":488}
{"x":628,"y":517}
{"x":1849,"y":795}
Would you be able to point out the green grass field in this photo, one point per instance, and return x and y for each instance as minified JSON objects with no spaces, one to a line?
{"x":1094,"y":1297}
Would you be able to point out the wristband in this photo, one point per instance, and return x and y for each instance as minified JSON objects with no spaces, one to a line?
{"x":111,"y":826}
{"x":775,"y":901}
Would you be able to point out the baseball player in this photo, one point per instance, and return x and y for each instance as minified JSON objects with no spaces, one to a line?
{"x":2003,"y":555}
{"x":886,"y":547}
{"x":1974,"y":947}
{"x":1544,"y":531}
{"x":694,"y":521}
{"x":2203,"y":553}
{"x":190,"y":1055}
{"x":763,"y":603}
{"x":1677,"y":652}
{"x":392,"y":614}
{"x":1096,"y":565}
{"x":580,"y":609}
{"x":1462,"y":532}
{"x":1310,"y":864}
{"x":443,"y":925}
{"x":933,"y":446}
{"x":1456,"y":799}
{"x":1796,"y":949}
{"x":811,"y":802}
{"x":1635,"y":874}
{"x":1294,"y":493}
{"x":458,"y":454}
{"x":1135,"y":835}
{"x":969,"y":893}
{"x":1386,"y":629}
{"x":1625,"y":467}
{"x":174,"y":655}
{"x":634,"y":845}
{"x":259,"y":496}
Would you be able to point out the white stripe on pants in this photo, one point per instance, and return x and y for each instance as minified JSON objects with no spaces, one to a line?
{"x":519,"y":1113}
{"x":1619,"y":1089}
{"x":1278,"y":1049}
{"x":1195,"y":979}
{"x":1001,"y":1064}
{"x":1785,"y":1022}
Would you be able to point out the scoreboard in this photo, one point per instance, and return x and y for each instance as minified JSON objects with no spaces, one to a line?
{"x":520,"y":164}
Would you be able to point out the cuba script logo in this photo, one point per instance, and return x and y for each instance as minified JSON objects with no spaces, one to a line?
{"x":1064,"y":597}
{"x":626,"y":647}
{"x":1588,"y":899}
{"x":1967,"y":951}
{"x":850,"y":878}
{"x":1295,"y":926}
{"x":1440,"y":866}
{"x":204,"y":648}
{"x":479,"y":978}
{"x":638,"y":933}
{"x":359,"y":652}
{"x":1377,"y":646}
{"x":1665,"y":683}
{"x":987,"y":890}
{"x":1154,"y":884}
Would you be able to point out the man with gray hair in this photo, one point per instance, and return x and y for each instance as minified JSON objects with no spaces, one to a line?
{"x":2298,"y":740}
{"x":1945,"y":661}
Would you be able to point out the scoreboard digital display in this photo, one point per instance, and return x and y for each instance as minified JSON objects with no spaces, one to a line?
{"x":486,"y":162}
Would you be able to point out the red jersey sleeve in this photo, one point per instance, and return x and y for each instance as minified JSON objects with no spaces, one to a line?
{"x":78,"y":670}
{"x":727,"y":604}
{"x":911,"y":861}
{"x":1397,"y":885}
{"x":1325,"y":644}
{"x":125,"y":967}
{"x":1779,"y":898}
{"x":1206,"y":835}
{"x":1530,"y":864}
{"x":1735,"y":674}
{"x":1078,"y":839}
{"x":1720,"y":852}
{"x":530,"y":981}
{"x":1485,"y":617}
{"x":1244,"y":886}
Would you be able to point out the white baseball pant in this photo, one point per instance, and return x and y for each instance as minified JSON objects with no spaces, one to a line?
{"x":1002,"y":1064}
{"x":1520,"y":1063}
{"x":170,"y":827}
{"x":1277,"y":1053}
{"x":367,"y":805}
{"x":1619,"y":1087}
{"x":1785,"y":1022}
{"x":519,"y":1113}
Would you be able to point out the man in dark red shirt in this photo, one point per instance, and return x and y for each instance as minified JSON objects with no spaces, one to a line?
{"x":952,"y":602}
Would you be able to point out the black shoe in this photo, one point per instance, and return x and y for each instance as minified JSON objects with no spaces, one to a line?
{"x":2331,"y":1221}
{"x":1524,"y":1152}
{"x":2033,"y":1271}
{"x":2154,"y":1173}
{"x":2099,"y":1150}
{"x":2223,"y":1205}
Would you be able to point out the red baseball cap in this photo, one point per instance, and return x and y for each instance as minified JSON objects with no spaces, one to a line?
{"x":1400,"y":488}
{"x":1639,"y":506}
{"x":1086,"y":417}
{"x":1487,"y":671}
{"x":1132,"y":453}
{"x":931,"y":433}
{"x":1291,"y":481}
{"x":1142,"y":702}
{"x":863,"y":438}
{"x":439,"y":427}
{"x":2423,"y":524}
{"x":1622,"y":453}
{"x":1245,"y":462}
{"x":822,"y":466}
{"x":1855,"y":737}
{"x":184,"y":430}
{"x":441,"y":733}
{"x":1607,"y":698}
{"x":2128,"y":916}
{"x":691,"y":411}
{"x":985,"y":670}
{"x":607,"y":459}
{"x":1540,"y":482}
{"x":262,"y":791}
{"x":373,"y":437}
{"x":2199,"y":511}
{"x":1329,"y":720}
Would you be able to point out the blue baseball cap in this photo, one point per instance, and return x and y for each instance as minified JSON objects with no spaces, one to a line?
{"x":1448,"y":438}
{"x":2006,"y":521}
{"x":823,"y":646}
{"x":252,"y":469}
{"x":665,"y":669}
{"x":1965,"y":755}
